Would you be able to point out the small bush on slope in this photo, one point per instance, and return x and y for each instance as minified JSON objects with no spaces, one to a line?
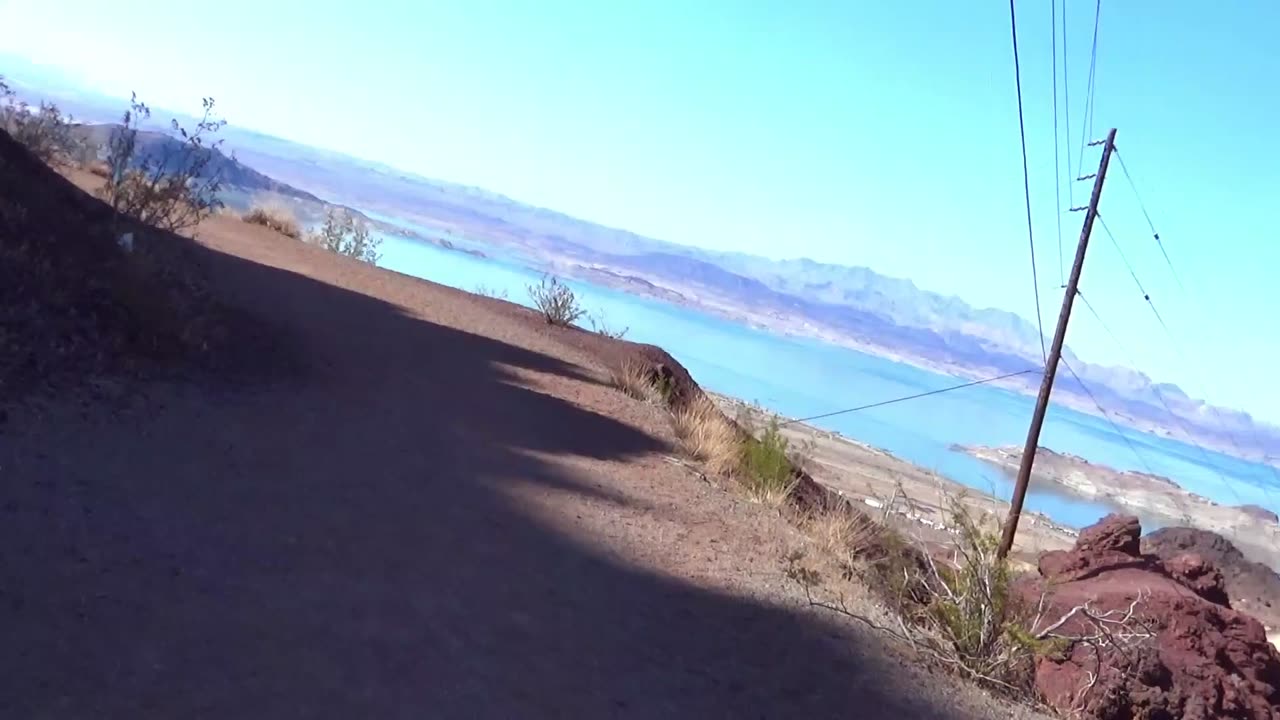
{"x":556,"y":302}
{"x":173,"y":188}
{"x":274,"y":217}
{"x":346,"y":234}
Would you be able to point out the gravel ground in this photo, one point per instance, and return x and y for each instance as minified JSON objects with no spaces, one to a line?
{"x":437,"y":508}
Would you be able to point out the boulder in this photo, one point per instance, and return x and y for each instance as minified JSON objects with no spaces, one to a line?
{"x":1253,"y":587}
{"x":1142,"y":637}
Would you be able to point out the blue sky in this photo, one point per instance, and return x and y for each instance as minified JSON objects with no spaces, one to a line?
{"x":869,"y":133}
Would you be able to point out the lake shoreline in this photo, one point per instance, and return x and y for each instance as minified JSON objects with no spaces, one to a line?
{"x":1140,"y":492}
{"x":876,"y":478}
{"x":642,"y":287}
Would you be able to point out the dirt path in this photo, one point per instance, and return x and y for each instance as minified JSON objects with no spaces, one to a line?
{"x":443,"y":512}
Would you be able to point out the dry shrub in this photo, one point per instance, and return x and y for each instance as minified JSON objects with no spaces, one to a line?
{"x":634,"y":378}
{"x":707,"y":435}
{"x":347,"y":234}
{"x":845,"y":533}
{"x":955,"y":602}
{"x":762,"y":464}
{"x":969,"y":615}
{"x":274,"y":216}
{"x":486,"y":291}
{"x":600,"y":325}
{"x":556,"y":301}
{"x":43,"y":129}
{"x":173,"y":188}
{"x":99,"y":169}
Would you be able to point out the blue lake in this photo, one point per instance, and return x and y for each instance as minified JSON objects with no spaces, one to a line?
{"x":798,"y":377}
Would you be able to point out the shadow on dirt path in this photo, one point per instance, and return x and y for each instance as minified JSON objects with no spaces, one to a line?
{"x":342,"y":543}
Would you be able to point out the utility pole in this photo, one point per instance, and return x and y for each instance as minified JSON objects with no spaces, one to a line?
{"x":1055,"y":353}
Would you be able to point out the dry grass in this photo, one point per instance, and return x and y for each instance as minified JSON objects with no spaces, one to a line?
{"x":99,"y":168}
{"x":275,"y":217}
{"x":843,"y":533}
{"x":634,"y":379}
{"x":770,"y":495}
{"x":707,"y":435}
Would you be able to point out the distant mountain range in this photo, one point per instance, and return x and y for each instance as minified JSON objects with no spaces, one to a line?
{"x":854,"y":306}
{"x":851,"y":305}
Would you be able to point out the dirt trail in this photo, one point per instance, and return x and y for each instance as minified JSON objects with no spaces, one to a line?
{"x":438,"y":509}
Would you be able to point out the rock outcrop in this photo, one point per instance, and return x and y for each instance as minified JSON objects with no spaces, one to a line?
{"x":1149,"y":637}
{"x":1253,"y":587}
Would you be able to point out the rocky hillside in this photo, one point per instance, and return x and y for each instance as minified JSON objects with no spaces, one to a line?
{"x":1252,"y":587}
{"x":1147,"y":637}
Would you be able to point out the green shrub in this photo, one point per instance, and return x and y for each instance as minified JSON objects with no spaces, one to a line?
{"x":966,"y":612}
{"x":765,"y":465}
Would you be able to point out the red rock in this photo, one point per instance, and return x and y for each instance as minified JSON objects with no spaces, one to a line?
{"x":1113,"y":533}
{"x":1201,"y":576}
{"x":1252,"y":586}
{"x":1192,"y":657}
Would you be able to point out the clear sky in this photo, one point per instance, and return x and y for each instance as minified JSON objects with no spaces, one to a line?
{"x":870,"y":133}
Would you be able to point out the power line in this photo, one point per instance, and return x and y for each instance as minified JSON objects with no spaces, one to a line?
{"x":1066,"y":108}
{"x":1107,"y":416}
{"x":1177,"y":347}
{"x":1086,"y":128}
{"x":1057,"y":172}
{"x":1125,"y":258}
{"x":891,"y":401}
{"x":1181,"y":422}
{"x":1154,"y":233}
{"x":1026,"y":179}
{"x":1182,"y":357}
{"x":1136,"y":281}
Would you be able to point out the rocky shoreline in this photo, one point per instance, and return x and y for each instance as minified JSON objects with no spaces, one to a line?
{"x":1256,"y":530}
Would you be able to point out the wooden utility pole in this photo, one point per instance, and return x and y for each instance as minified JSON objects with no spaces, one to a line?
{"x":1055,"y":353}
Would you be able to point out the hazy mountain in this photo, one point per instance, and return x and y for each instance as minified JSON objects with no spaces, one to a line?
{"x":243,"y":186}
{"x":854,"y":305}
{"x":159,"y":148}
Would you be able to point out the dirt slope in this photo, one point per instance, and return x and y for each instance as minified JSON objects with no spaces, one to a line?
{"x":440,"y":511}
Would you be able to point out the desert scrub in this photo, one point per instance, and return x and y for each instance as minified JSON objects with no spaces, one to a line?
{"x":635,"y":378}
{"x":846,"y":534}
{"x":556,"y":301}
{"x":274,"y":216}
{"x":765,"y":465}
{"x":173,"y":188}
{"x":600,"y":325}
{"x":43,"y":129}
{"x":708,"y":436}
{"x":961,"y":608}
{"x":486,"y":291}
{"x":344,"y":233}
